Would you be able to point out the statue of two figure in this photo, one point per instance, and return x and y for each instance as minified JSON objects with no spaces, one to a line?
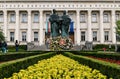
{"x":59,"y":24}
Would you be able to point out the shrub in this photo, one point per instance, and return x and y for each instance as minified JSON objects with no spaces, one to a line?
{"x":106,"y":68}
{"x":58,"y":67}
{"x":6,"y":69}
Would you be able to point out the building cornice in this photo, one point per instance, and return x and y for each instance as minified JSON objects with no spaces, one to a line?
{"x":59,"y":0}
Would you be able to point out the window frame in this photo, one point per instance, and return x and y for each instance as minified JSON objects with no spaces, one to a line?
{"x":34,"y":19}
{"x":24,"y":36}
{"x":94,"y":18}
{"x":12,"y":18}
{"x":83,"y":38}
{"x":12,"y":37}
{"x":82,"y":18}
{"x":94,"y":35}
{"x":36,"y":39}
{"x":24,"y":19}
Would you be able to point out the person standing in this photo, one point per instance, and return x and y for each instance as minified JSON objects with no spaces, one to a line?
{"x":3,"y":47}
{"x":16,"y":45}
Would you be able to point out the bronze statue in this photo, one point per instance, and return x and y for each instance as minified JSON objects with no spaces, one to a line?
{"x":65,"y":25}
{"x":54,"y":20}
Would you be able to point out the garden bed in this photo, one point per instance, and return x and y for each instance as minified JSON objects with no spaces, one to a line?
{"x":58,"y":67}
{"x":106,"y":59}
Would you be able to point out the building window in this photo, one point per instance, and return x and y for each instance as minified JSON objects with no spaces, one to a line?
{"x":47,"y":17}
{"x":12,"y":36}
{"x":24,"y":18}
{"x":105,"y":18}
{"x":82,"y":18}
{"x":12,"y":18}
{"x":106,"y":35}
{"x":36,"y":18}
{"x":24,"y":36}
{"x":117,"y":17}
{"x":94,"y":35}
{"x":1,"y":17}
{"x":94,"y":17}
{"x":35,"y":36}
{"x":82,"y":36}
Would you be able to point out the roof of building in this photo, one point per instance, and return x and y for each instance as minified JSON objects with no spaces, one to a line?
{"x":59,"y":0}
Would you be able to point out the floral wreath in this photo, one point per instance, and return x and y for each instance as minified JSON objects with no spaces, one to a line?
{"x":59,"y":43}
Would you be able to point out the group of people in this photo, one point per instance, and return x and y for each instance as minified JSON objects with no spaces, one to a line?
{"x":4,"y":46}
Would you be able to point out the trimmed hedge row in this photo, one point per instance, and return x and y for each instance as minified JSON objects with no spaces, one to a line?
{"x":8,"y":68}
{"x":11,"y":48}
{"x":100,"y":47}
{"x":106,"y":68}
{"x":114,"y":56}
{"x":13,"y":56}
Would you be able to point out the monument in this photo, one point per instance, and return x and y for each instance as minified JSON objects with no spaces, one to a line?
{"x":59,"y":39}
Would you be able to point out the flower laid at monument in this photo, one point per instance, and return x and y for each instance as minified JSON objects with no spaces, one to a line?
{"x":58,"y":67}
{"x":59,"y":43}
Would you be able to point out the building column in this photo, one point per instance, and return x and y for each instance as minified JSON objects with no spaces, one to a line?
{"x":41,"y":32}
{"x":17,"y":26}
{"x":113,"y":30}
{"x":5,"y":25}
{"x":101,"y":27}
{"x":89,"y":32}
{"x":78,"y":27}
{"x":29,"y":32}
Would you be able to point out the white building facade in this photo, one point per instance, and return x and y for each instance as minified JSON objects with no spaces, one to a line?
{"x":25,"y":20}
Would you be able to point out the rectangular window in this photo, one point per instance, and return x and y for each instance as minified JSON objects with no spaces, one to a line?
{"x":82,"y":36}
{"x":106,"y":36}
{"x":12,"y":36}
{"x":117,"y":17}
{"x":36,"y":18}
{"x":47,"y":17}
{"x":82,"y":18}
{"x":94,"y":35}
{"x":12,"y":18}
{"x":24,"y":36}
{"x":1,"y":17}
{"x":94,"y":17}
{"x":24,"y":18}
{"x":35,"y":36}
{"x":105,"y":18}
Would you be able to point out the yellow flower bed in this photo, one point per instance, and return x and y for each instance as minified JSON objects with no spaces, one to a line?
{"x":58,"y":67}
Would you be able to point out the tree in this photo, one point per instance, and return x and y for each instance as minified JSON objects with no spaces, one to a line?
{"x":117,"y":34}
{"x":2,"y":38}
{"x":118,"y":27}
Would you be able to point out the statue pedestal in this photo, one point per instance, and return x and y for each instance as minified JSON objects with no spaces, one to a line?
{"x":59,"y":43}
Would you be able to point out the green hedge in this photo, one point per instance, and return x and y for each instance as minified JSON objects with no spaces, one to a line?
{"x":13,"y":56}
{"x":114,"y":56}
{"x":100,"y":47}
{"x":11,"y":48}
{"x":8,"y":68}
{"x":106,"y":68}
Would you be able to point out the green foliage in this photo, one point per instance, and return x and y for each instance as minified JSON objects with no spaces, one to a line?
{"x":11,"y":48}
{"x":100,"y":47}
{"x":2,"y":38}
{"x":118,"y":27}
{"x":8,"y":68}
{"x":58,"y":67}
{"x":114,"y":56}
{"x":13,"y":56}
{"x":106,"y":68}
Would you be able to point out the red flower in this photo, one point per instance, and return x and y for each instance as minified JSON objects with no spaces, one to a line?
{"x":62,"y":42}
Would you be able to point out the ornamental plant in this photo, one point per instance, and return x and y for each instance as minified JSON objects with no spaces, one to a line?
{"x":58,"y":67}
{"x":59,"y":43}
